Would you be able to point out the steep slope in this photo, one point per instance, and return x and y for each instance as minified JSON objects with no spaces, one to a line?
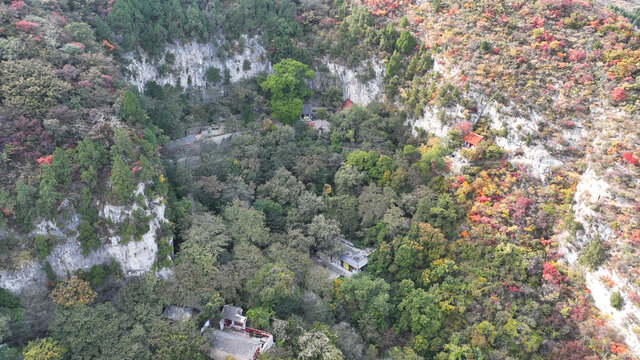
{"x":66,"y":120}
{"x":555,"y":84}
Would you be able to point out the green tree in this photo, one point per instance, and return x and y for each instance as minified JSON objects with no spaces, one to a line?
{"x":99,"y":332}
{"x":419,"y":312}
{"x":260,"y":317}
{"x":245,"y":224}
{"x":48,"y":196}
{"x":61,"y":165}
{"x":332,"y":97}
{"x":274,"y":288}
{"x":317,"y":345}
{"x":132,"y":111}
{"x":406,"y":42}
{"x":12,"y":324}
{"x":213,"y":75}
{"x":348,"y":178}
{"x":122,"y":144}
{"x":367,"y":301}
{"x":282,"y":188}
{"x":206,"y":239}
{"x":147,"y":171}
{"x":373,"y":203}
{"x":287,"y":89}
{"x":326,"y":233}
{"x":87,"y":235}
{"x":42,"y":245}
{"x":443,"y":213}
{"x":394,"y":65}
{"x":90,"y":157}
{"x":122,"y":181}
{"x":80,"y":32}
{"x":389,"y":37}
{"x":412,"y":253}
{"x":25,"y":212}
{"x":176,"y":340}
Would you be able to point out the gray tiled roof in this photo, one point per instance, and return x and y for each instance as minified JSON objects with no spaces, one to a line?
{"x":233,"y":313}
{"x":306,"y":109}
{"x":354,"y":256}
{"x":235,"y":344}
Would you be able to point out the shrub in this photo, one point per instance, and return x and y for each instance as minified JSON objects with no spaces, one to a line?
{"x":246,"y":65}
{"x":96,"y":276}
{"x":42,"y":245}
{"x":7,"y":300}
{"x":616,"y":300}
{"x":484,"y":46}
{"x":213,"y":75}
{"x":618,"y":94}
{"x":170,"y":58}
{"x":48,"y":271}
{"x":593,"y":255}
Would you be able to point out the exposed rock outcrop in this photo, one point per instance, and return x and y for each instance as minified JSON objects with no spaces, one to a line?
{"x":362,"y":84}
{"x":192,"y":60}
{"x":134,"y":257}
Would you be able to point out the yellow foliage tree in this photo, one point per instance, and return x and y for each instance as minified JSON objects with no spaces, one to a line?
{"x":73,"y":292}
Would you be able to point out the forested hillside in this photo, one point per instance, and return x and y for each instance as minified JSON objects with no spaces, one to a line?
{"x":122,"y":203}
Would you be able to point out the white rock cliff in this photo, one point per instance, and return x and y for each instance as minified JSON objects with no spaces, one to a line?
{"x":134,"y":257}
{"x":192,"y":60}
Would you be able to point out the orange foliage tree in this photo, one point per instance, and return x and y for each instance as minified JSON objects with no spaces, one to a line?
{"x":73,"y":292}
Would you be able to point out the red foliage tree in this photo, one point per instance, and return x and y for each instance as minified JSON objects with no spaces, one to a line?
{"x":464,"y":127}
{"x":45,"y":160}
{"x":618,"y":348}
{"x":17,"y":5}
{"x":551,"y":274}
{"x":108,"y":45}
{"x":618,"y":94}
{"x":628,"y":157}
{"x":26,"y":26}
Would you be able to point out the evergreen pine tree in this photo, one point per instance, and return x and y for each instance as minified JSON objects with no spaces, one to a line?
{"x":48,"y":194}
{"x":132,"y":110}
{"x":121,"y":180}
{"x":25,"y":211}
{"x":61,"y":166}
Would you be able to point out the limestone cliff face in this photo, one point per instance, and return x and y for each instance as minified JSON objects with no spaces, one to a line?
{"x":361,"y":84}
{"x":192,"y":60}
{"x":591,"y":191}
{"x":516,"y":130}
{"x":531,"y":140}
{"x":134,"y":257}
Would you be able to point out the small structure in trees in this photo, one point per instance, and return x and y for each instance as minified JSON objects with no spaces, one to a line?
{"x":348,"y":104}
{"x":469,"y":138}
{"x":349,"y":261}
{"x":232,"y":317}
{"x":307,"y":112}
{"x":234,"y":339}
{"x":472,"y":139}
